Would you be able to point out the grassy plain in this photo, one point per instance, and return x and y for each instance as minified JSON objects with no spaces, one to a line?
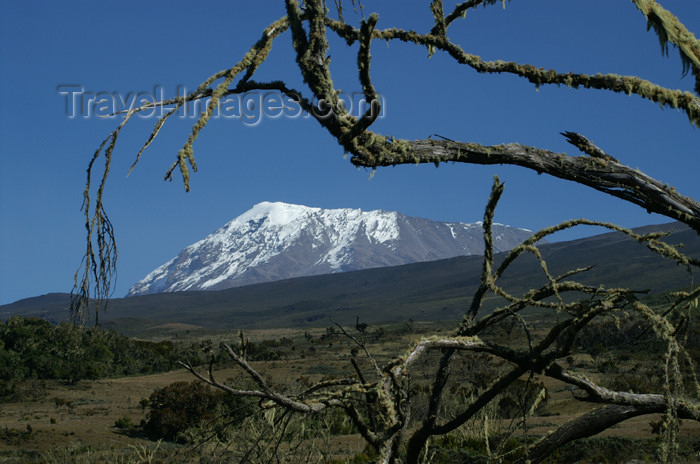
{"x":53,"y":422}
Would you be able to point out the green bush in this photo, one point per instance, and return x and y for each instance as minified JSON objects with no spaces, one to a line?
{"x":32,"y":348}
{"x":124,"y":423}
{"x":180,"y":406}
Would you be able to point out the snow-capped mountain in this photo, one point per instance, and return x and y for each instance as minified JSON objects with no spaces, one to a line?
{"x":274,"y":241}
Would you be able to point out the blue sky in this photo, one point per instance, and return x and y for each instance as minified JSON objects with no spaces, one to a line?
{"x":127,"y":47}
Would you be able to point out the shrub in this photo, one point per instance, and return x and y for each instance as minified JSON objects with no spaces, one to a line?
{"x":179,"y":406}
{"x":124,"y":423}
{"x":32,"y":348}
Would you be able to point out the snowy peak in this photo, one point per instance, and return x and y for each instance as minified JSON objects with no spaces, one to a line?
{"x":277,"y":213}
{"x":274,"y":241}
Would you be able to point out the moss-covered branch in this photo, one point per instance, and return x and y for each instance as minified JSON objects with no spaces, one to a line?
{"x":604,"y":175}
{"x":684,"y":101}
{"x":669,"y":29}
{"x":584,"y":426}
{"x":250,"y":63}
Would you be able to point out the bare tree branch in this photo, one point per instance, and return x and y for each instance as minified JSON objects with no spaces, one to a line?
{"x":604,"y":175}
{"x":584,"y":426}
{"x":597,"y":394}
{"x":266,"y":392}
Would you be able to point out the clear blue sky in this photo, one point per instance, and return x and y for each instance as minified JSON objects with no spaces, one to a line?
{"x":133,"y":46}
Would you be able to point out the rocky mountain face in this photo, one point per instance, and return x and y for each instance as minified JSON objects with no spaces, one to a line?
{"x":274,"y":241}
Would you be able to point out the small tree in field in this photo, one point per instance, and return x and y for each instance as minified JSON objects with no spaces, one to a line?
{"x":381,"y":401}
{"x":176,"y":407}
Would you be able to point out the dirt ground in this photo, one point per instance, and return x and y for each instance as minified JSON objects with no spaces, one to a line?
{"x":84,"y":414}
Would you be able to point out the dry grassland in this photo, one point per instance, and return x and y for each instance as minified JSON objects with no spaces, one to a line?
{"x":82,"y":417}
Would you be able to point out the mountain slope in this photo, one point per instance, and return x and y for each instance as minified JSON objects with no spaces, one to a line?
{"x":430,"y":291}
{"x":275,"y":241}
